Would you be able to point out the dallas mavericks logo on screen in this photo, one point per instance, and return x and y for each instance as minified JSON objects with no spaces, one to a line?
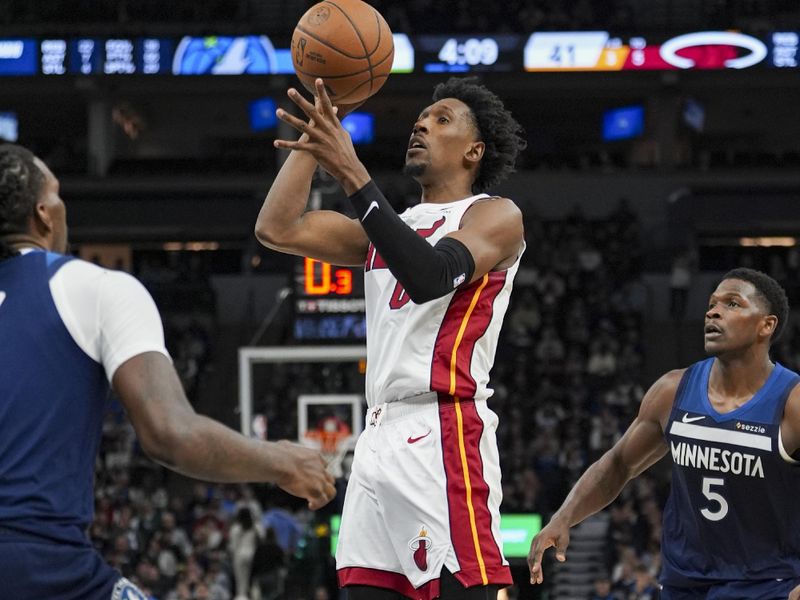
{"x":225,"y":55}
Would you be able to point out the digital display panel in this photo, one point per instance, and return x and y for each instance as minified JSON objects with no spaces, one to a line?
{"x":85,"y":56}
{"x":329,"y":302}
{"x":118,"y":57}
{"x":18,"y":56}
{"x":225,"y":55}
{"x":153,"y":56}
{"x":464,"y":54}
{"x":542,"y":51}
{"x":600,"y":51}
{"x":321,"y":328}
{"x":783,"y":49}
{"x":54,"y":57}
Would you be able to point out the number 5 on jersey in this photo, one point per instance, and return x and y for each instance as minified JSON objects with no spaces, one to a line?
{"x":720,"y":513}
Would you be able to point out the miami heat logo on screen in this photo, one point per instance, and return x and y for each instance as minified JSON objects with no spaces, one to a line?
{"x":374,"y":261}
{"x":419,"y":546}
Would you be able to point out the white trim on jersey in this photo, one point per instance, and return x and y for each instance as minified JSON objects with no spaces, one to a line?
{"x":782,"y":449}
{"x":711,"y":434}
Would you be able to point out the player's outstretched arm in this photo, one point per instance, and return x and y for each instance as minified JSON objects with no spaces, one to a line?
{"x":284,"y":225}
{"x":642,"y":445}
{"x":172,"y":434}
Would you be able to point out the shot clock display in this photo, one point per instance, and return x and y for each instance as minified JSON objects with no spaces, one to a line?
{"x":464,"y":53}
{"x":329,"y":302}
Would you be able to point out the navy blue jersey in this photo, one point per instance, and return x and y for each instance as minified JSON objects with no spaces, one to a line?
{"x":52,"y":400}
{"x":732,"y":512}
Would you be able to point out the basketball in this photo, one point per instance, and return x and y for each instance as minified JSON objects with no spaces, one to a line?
{"x":347,"y":43}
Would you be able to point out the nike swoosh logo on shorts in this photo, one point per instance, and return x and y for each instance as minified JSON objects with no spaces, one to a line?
{"x":373,"y":205}
{"x":414,"y":440}
{"x":687,"y":419}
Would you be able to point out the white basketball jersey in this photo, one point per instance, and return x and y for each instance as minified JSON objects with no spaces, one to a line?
{"x":446,"y":345}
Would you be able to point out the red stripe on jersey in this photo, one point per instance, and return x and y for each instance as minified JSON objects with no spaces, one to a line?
{"x":388,"y":580}
{"x":447,"y":341}
{"x":479,"y":558}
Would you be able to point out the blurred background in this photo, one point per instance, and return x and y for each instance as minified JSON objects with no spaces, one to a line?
{"x":664,"y":149}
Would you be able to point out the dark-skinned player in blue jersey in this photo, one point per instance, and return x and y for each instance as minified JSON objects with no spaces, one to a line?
{"x":731,"y":528}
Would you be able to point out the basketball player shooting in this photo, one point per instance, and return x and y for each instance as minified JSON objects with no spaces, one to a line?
{"x":421,"y":514}
{"x":732,"y":426}
{"x":68,"y":328}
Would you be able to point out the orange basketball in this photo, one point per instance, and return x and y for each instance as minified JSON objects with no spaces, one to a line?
{"x":348,"y":44}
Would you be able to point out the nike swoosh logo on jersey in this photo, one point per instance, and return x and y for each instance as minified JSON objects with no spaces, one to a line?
{"x":414,"y":440}
{"x":373,"y":205}
{"x":687,"y":419}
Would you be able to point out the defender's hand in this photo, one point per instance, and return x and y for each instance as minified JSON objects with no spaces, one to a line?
{"x":305,"y":474}
{"x":556,"y":533}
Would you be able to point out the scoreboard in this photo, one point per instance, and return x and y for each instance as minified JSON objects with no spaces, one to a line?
{"x":462,"y":54}
{"x":554,"y":51}
{"x":111,"y":56}
{"x":329,"y":302}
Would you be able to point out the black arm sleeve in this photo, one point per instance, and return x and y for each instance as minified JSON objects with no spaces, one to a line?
{"x":426,"y":272}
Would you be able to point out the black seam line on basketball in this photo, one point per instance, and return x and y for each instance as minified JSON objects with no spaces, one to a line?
{"x":328,"y":45}
{"x":359,"y":86}
{"x":324,"y":76}
{"x":378,"y":24}
{"x":358,"y":33}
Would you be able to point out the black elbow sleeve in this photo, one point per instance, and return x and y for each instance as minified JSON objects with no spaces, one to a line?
{"x":426,"y":272}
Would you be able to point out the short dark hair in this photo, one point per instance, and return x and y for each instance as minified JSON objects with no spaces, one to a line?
{"x":770,"y":292}
{"x":497,"y":129}
{"x":21,"y":183}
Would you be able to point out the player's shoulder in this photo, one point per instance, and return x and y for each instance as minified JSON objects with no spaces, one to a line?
{"x":494,"y":208}
{"x":500,"y":202}
{"x":78,"y":272}
{"x":663,"y":391}
{"x":672,"y":379}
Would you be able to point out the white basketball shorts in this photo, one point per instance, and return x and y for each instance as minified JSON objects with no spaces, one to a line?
{"x":424,"y":493}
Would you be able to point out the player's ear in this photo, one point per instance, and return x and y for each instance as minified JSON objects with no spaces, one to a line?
{"x":769,"y":325}
{"x":475,"y":151}
{"x":42,"y":219}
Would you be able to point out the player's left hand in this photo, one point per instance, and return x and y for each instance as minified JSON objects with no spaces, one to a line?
{"x":322,"y":135}
{"x":794,"y":594}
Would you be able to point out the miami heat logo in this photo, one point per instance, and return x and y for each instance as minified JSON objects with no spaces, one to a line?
{"x":419,"y":546}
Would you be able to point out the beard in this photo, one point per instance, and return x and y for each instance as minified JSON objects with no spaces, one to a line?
{"x":414,"y":169}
